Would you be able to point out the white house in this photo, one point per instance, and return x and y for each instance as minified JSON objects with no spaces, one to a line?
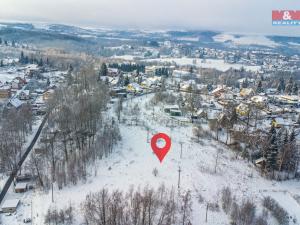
{"x":10,"y":206}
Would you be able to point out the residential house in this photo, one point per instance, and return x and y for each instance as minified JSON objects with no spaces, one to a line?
{"x":48,"y":94}
{"x":15,"y":103}
{"x":113,"y":72}
{"x":10,"y":206}
{"x":134,"y":87}
{"x":242,"y":109}
{"x":23,"y":95}
{"x":5,"y":92}
{"x":168,"y":108}
{"x":21,"y":187}
{"x":246,"y":92}
{"x":218,"y":92}
{"x":259,"y":100}
{"x":18,"y":83}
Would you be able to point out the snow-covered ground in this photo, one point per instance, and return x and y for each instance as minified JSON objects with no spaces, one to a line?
{"x":246,"y":40}
{"x":207,"y":63}
{"x":125,"y":57}
{"x":7,"y":75}
{"x":133,"y":162}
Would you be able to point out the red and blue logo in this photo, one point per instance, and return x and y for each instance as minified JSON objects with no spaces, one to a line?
{"x":286,"y":17}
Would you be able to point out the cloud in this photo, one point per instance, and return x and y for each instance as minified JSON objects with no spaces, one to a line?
{"x":251,"y":16}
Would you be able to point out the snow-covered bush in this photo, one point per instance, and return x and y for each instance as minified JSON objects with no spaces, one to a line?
{"x":155,"y":172}
{"x":277,"y":211}
{"x":226,"y":199}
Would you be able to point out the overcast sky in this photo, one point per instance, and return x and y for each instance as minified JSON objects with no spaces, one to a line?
{"x":247,"y":16}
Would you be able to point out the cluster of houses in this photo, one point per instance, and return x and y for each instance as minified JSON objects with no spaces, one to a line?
{"x":271,"y":106}
{"x":34,"y":88}
{"x":21,"y":185}
{"x":30,"y":85}
{"x":131,"y":82}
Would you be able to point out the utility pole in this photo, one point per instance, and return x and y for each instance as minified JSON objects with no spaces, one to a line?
{"x":181,"y":143}
{"x":52,"y":192}
{"x":206,"y":213}
{"x":148,"y":130}
{"x":31,"y":213}
{"x":179,"y":171}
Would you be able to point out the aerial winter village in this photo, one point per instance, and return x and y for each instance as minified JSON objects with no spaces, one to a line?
{"x":120,"y":126}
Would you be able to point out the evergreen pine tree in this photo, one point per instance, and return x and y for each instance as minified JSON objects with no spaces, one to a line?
{"x":289,"y":86}
{"x":1,"y":63}
{"x":21,"y":59}
{"x":106,"y":81}
{"x":245,"y":83}
{"x":126,"y":81}
{"x":140,"y":79}
{"x":103,"y":70}
{"x":271,"y":151}
{"x":295,"y":89}
{"x":282,"y":140}
{"x":294,"y":153}
{"x":281,"y":85}
{"x":41,"y":63}
{"x":180,"y":101}
{"x":259,"y":88}
{"x":178,"y":88}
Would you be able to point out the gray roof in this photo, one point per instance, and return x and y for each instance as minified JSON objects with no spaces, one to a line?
{"x":11,"y":203}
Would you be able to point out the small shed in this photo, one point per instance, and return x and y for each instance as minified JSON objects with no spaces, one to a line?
{"x":174,"y":112}
{"x":10,"y":206}
{"x":21,"y":187}
{"x":168,"y":108}
{"x":261,"y":162}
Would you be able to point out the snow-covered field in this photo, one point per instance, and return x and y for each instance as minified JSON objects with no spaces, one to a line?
{"x":125,"y":57}
{"x":245,"y":40}
{"x":9,"y":75}
{"x":133,"y":162}
{"x":207,"y":63}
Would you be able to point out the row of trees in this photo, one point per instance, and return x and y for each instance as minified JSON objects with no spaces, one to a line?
{"x":77,"y":134}
{"x":281,"y":151}
{"x":128,"y":67}
{"x":15,"y":125}
{"x":5,"y":42}
{"x":32,"y":60}
{"x":290,"y":87}
{"x":139,"y":207}
{"x":63,"y":216}
{"x":164,"y":71}
{"x":245,"y":213}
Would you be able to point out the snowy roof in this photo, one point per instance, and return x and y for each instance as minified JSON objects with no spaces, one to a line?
{"x":113,"y":70}
{"x":135,"y":85}
{"x":12,"y":203}
{"x":258,"y":98}
{"x":5,"y":87}
{"x":21,"y":186}
{"x":246,"y":79}
{"x":217,"y":90}
{"x":15,"y":102}
{"x":246,"y":91}
{"x":26,"y":92}
{"x":171,"y":107}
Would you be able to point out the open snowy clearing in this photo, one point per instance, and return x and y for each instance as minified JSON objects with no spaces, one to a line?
{"x":246,"y":40}
{"x":207,"y":63}
{"x":133,"y":162}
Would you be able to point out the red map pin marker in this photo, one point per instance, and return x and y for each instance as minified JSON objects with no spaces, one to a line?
{"x":160,"y":152}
